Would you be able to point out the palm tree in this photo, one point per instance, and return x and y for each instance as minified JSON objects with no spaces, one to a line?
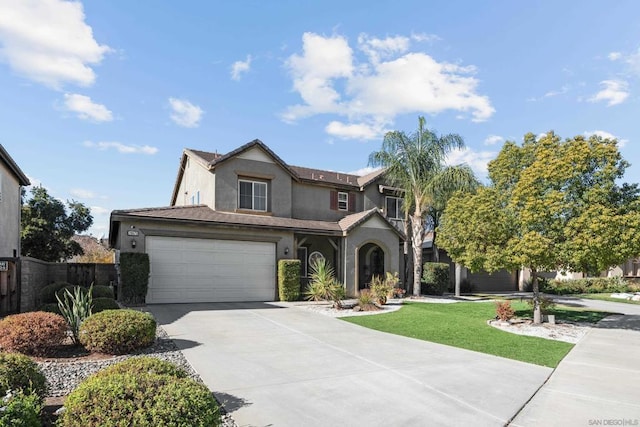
{"x":416,"y":164}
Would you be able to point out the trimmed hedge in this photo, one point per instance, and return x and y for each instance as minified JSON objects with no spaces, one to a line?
{"x":33,"y":333}
{"x":96,"y":292}
{"x":50,"y":307}
{"x":118,"y":331}
{"x":102,"y":304}
{"x":289,"y":279}
{"x":48,"y":293}
{"x":142,"y":366}
{"x":134,"y":399}
{"x":436,"y":277}
{"x":19,"y":372}
{"x":591,"y":285}
{"x":134,"y":277}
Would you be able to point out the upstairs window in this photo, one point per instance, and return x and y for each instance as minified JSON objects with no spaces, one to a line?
{"x":343,"y":201}
{"x":393,"y":207}
{"x":252,"y":195}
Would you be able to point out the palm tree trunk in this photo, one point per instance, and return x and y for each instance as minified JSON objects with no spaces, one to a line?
{"x":537,"y":315}
{"x":407,"y":253}
{"x":417,"y":237}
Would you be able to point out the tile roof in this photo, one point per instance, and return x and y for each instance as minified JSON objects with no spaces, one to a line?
{"x":202,"y":213}
{"x":330,"y":177}
{"x":206,"y":155}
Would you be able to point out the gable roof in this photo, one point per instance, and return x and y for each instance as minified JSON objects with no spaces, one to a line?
{"x":13,"y":167}
{"x":365,"y":180}
{"x":350,"y":222}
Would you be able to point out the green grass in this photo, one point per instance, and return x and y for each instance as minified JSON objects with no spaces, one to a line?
{"x":464,"y":325}
{"x":605,"y":297}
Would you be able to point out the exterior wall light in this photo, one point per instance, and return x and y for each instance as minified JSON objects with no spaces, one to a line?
{"x":133,"y":243}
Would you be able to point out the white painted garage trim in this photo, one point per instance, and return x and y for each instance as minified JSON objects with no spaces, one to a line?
{"x":187,"y":270}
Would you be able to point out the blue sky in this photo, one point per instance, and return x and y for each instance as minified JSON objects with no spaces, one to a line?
{"x":98,"y":99}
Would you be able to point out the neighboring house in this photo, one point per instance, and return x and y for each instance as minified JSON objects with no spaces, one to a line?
{"x":11,"y":181}
{"x":233,"y":216}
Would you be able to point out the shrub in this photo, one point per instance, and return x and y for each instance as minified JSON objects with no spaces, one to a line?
{"x":289,"y":279}
{"x":134,"y":275}
{"x":33,"y":333}
{"x":436,"y":277}
{"x":101,"y":291}
{"x":118,"y":331}
{"x":19,"y":373}
{"x":140,"y":400}
{"x":381,"y":288}
{"x":323,"y":284}
{"x":75,"y":307}
{"x":50,"y":308}
{"x":366,"y":300}
{"x":48,"y":293}
{"x":504,"y":311}
{"x":587,"y":286}
{"x":102,"y":304}
{"x":142,"y":366}
{"x":20,"y":409}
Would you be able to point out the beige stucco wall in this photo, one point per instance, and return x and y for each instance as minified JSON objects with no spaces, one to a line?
{"x":196,"y":178}
{"x":9,"y":213}
{"x":314,"y":202}
{"x":371,"y":231}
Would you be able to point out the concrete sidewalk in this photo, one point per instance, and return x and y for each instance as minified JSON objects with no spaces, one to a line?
{"x":290,"y":367}
{"x":598,"y":382}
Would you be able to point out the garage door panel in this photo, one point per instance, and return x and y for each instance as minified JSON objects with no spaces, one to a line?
{"x":207,"y":270}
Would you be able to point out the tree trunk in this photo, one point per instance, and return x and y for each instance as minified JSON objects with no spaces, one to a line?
{"x":537,"y":314}
{"x":417,"y":236}
{"x":407,"y":254}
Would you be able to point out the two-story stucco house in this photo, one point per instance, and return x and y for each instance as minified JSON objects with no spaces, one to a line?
{"x":233,"y":216}
{"x":11,"y":181}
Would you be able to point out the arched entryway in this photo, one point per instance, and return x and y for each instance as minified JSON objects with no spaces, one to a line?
{"x":370,"y":263}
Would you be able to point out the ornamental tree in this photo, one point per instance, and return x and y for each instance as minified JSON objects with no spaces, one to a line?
{"x":550,"y":205}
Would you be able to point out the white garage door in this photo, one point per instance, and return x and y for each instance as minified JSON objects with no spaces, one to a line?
{"x":206,"y":270}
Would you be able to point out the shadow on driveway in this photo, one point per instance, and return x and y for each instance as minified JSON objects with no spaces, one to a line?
{"x":173,"y":312}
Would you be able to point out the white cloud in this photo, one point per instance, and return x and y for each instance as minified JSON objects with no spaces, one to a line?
{"x":424,"y":37}
{"x":240,"y":67}
{"x":49,"y":42}
{"x":614,"y":56}
{"x":355,"y":130}
{"x":86,"y":109}
{"x":364,"y":171}
{"x":388,"y":80}
{"x":607,"y":135}
{"x":97,"y":210}
{"x":82,"y":193}
{"x":564,"y":89}
{"x":493,"y":140}
{"x":476,"y":160}
{"x":121,"y":148}
{"x":185,"y":114}
{"x":614,"y":92}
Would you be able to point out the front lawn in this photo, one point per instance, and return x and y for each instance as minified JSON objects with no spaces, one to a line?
{"x":606,"y":297}
{"x":464,"y":325}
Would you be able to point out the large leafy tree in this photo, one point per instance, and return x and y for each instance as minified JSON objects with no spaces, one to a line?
{"x":47,"y":227}
{"x":416,"y":163}
{"x":550,"y":205}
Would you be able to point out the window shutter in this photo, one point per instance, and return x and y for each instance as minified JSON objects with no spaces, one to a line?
{"x":333,"y":201}
{"x":352,"y":202}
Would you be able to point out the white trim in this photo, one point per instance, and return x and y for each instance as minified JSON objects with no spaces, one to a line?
{"x":346,"y":201}
{"x":253,"y":194}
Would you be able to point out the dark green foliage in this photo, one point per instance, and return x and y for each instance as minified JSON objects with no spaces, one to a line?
{"x":102,"y":304}
{"x":134,"y":275}
{"x":101,"y":291}
{"x":141,"y":400}
{"x":592,"y":285}
{"x":144,"y":365}
{"x":436,"y":277}
{"x":50,"y":307}
{"x":48,"y":293}
{"x":289,"y":279}
{"x":118,"y":331}
{"x":19,"y":372}
{"x":20,"y":409}
{"x":48,"y":226}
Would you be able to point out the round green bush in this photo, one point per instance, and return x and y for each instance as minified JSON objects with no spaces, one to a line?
{"x":50,"y":307}
{"x":48,"y":293}
{"x":34,"y":333}
{"x":102,"y":304}
{"x":20,"y":410}
{"x":118,"y":331}
{"x":140,"y":400}
{"x":19,"y":372}
{"x":100,"y":291}
{"x":142,"y":366}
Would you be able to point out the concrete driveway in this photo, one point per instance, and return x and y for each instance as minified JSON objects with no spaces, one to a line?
{"x":274,"y":366}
